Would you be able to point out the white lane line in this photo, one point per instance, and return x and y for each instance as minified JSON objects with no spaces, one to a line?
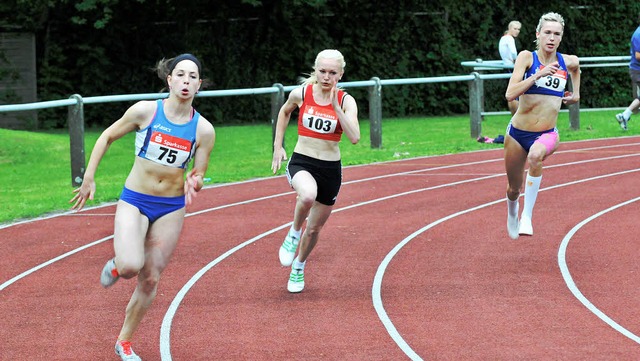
{"x":58,"y":258}
{"x":24,"y":274}
{"x":564,"y":269}
{"x":74,"y":213}
{"x":165,"y":334}
{"x":376,"y":291}
{"x":53,"y":260}
{"x":165,"y":330}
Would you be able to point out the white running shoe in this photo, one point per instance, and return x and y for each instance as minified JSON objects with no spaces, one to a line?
{"x":296,"y":281}
{"x":123,"y":349}
{"x":288,"y":250}
{"x":526,"y":228}
{"x":109,"y":274}
{"x":623,"y":122}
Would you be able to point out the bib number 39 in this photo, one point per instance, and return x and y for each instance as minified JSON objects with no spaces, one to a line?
{"x":554,"y":82}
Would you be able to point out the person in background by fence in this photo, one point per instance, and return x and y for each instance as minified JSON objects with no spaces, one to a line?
{"x":508,"y":53}
{"x":314,"y":170}
{"x":634,"y":73}
{"x":150,"y":213}
{"x":539,"y":79}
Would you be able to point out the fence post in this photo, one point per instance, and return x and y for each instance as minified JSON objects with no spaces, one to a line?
{"x":574,"y":109}
{"x":476,"y":104}
{"x":375,"y":113}
{"x":75,"y":119}
{"x":277,"y":100}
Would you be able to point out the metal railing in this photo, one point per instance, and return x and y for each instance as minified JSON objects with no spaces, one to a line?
{"x":476,"y":91}
{"x":76,"y":102}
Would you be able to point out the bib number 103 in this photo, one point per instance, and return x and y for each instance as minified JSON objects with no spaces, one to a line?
{"x":320,"y":125}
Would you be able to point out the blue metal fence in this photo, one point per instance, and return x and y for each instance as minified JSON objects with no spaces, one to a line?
{"x":76,"y":102}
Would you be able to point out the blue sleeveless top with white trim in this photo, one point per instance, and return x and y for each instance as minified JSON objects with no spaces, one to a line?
{"x":551,"y":84}
{"x":167,"y":143}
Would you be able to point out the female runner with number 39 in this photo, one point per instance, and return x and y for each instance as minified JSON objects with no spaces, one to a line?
{"x":539,"y":79}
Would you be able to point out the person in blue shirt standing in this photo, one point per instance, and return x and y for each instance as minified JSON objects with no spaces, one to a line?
{"x":539,"y":79}
{"x":634,"y":73}
{"x":150,"y":213}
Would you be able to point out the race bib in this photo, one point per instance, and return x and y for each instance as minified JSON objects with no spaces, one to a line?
{"x":319,"y":120}
{"x":168,"y":150}
{"x":555,"y":82}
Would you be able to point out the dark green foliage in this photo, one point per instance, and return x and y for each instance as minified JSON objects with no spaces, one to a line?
{"x":105,"y":47}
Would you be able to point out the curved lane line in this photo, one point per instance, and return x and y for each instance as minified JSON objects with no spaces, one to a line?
{"x":42,"y":265}
{"x":231,"y":251}
{"x":165,"y":330}
{"x":18,"y":277}
{"x":74,"y":213}
{"x":376,"y":291}
{"x":564,"y":269}
{"x":53,"y":260}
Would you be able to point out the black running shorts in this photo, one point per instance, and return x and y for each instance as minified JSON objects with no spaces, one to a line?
{"x":328,"y":175}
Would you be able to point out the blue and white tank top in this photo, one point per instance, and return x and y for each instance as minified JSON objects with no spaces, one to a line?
{"x":165,"y":142}
{"x":551,"y":84}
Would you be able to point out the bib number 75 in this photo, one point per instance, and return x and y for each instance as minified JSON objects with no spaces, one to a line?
{"x":171,"y":155}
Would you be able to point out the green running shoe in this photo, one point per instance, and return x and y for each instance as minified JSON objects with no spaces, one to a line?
{"x":288,"y":250}
{"x":296,"y":281}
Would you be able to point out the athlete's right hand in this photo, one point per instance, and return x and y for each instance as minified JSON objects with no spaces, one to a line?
{"x":86,"y":191}
{"x":279,"y":155}
{"x":550,"y":69}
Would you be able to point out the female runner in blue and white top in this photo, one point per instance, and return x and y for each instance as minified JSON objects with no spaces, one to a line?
{"x":151,"y":209}
{"x":539,"y":79}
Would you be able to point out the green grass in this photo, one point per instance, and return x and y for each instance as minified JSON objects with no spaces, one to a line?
{"x":36,"y":172}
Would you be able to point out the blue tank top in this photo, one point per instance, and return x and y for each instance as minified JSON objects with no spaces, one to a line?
{"x":635,"y":46}
{"x":165,"y":142}
{"x":551,"y":84}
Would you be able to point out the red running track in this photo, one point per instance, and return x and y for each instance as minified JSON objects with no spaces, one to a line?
{"x":414,"y":264}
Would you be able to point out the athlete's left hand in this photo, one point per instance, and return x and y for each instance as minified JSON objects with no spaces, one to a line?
{"x":570,"y":98}
{"x":192,"y":186}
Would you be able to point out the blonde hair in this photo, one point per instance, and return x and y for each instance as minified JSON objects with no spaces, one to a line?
{"x":552,"y":17}
{"x":512,"y":23}
{"x":325,"y":54}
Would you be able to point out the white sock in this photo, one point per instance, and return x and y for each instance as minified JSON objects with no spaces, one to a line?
{"x":531,"y":188}
{"x":298,"y":265}
{"x":295,"y":233}
{"x":627,"y":114}
{"x":512,"y":207}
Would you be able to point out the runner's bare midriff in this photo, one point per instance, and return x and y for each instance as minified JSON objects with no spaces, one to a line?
{"x":318,"y":148}
{"x":536,"y":112}
{"x":154,"y":179}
